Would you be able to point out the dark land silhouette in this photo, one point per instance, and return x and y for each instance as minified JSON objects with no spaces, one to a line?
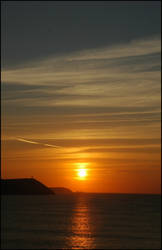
{"x":25,"y":186}
{"x":61,"y":190}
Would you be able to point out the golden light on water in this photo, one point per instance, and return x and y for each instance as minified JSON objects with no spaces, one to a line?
{"x":82,"y":237}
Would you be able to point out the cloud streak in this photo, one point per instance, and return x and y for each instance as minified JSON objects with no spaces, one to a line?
{"x":99,"y":93}
{"x":85,"y":66}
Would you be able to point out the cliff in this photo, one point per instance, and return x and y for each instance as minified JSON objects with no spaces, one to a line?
{"x":61,"y":190}
{"x":26,"y":186}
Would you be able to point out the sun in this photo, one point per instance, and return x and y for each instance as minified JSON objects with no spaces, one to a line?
{"x":82,"y":173}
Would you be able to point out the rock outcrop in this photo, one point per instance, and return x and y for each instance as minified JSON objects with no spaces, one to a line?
{"x":26,"y":186}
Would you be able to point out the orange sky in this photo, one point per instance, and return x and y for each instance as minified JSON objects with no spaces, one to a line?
{"x":110,"y":168}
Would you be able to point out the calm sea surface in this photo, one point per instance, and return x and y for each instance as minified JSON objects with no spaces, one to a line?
{"x":81,"y":221}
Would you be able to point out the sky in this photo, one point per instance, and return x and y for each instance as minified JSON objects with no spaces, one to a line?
{"x":81,"y":87}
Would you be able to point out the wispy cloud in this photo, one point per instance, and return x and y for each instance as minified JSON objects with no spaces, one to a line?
{"x":86,"y":66}
{"x":134,"y":48}
{"x":111,"y":91}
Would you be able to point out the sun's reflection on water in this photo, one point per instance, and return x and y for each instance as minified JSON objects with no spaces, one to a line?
{"x":81,"y":227}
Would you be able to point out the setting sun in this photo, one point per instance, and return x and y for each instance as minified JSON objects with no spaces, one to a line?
{"x":82,"y":173}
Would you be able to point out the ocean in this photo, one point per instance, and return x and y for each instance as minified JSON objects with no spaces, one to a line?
{"x":81,"y":221}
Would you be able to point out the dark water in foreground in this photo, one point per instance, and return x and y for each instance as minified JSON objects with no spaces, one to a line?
{"x":81,"y":221}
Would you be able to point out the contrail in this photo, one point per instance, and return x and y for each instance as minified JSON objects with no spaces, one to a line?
{"x":33,"y":142}
{"x":53,"y":146}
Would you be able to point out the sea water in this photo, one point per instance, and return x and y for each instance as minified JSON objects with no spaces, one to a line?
{"x":81,"y":221}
